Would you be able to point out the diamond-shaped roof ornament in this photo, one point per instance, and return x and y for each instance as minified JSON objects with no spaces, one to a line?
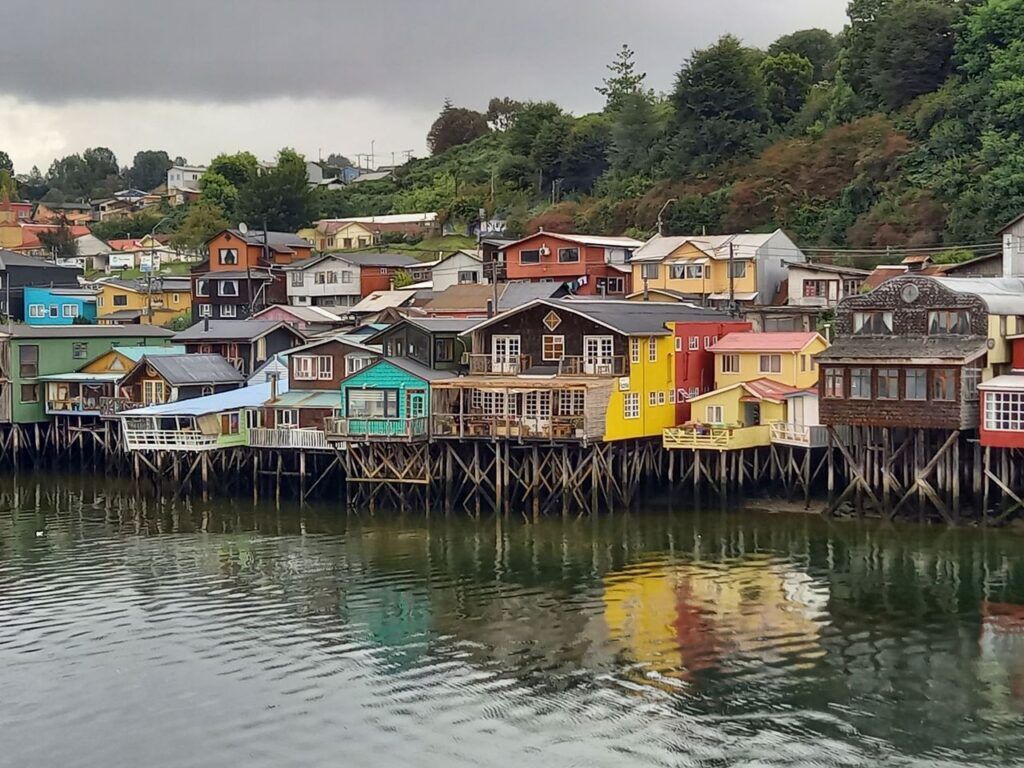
{"x":552,"y":321}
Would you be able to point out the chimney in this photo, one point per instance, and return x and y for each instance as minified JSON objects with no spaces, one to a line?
{"x":490,"y":308}
{"x":206,"y":323}
{"x":273,"y":386}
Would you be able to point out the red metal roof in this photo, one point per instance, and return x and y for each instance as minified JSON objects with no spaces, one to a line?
{"x":748,"y":341}
{"x":769,"y":389}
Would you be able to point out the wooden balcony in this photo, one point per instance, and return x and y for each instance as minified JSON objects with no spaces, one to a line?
{"x":111,"y":406}
{"x":716,"y":438}
{"x":168,"y":440}
{"x":372,"y":428}
{"x":606,"y":365}
{"x":491,"y":426}
{"x":75,"y":406}
{"x":800,"y":435}
{"x":501,"y":365}
{"x":304,"y":439}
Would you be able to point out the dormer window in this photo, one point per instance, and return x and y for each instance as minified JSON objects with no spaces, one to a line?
{"x":228,"y":256}
{"x":949,"y":322}
{"x":872,"y":323}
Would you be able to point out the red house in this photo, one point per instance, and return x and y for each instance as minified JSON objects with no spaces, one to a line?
{"x":1002,"y":404}
{"x":694,"y":362}
{"x":592,"y":265}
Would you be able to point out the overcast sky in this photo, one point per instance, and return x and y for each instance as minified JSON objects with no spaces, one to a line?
{"x":197,"y":77}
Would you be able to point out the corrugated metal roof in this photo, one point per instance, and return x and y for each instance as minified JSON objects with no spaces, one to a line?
{"x":244,"y":397}
{"x":185,"y":370}
{"x":307,"y":398}
{"x":20,"y":331}
{"x":136,"y":353}
{"x":775,"y":341}
{"x":378,"y":301}
{"x":232,"y":330}
{"x":1002,"y":295}
{"x":716,"y":246}
{"x":1013,"y":381}
{"x":79,"y":376}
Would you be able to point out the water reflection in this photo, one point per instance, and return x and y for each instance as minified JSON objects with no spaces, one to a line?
{"x":310,"y":637}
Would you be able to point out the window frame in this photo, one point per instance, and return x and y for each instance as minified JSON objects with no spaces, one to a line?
{"x":563,"y":250}
{"x":733,"y":361}
{"x":885,"y":391}
{"x":631,"y":405}
{"x":919,"y":376}
{"x":551,"y":338}
{"x":771,"y":357}
{"x":222,"y":288}
{"x":834,"y":383}
{"x":860,"y":377}
{"x":530,"y":262}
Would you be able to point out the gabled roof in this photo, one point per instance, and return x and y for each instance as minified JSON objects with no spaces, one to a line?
{"x":599,"y":241}
{"x":21,"y":331}
{"x":189,"y":370}
{"x":660,"y":247}
{"x":461,"y":252}
{"x":829,"y":268}
{"x":381,"y":300}
{"x":762,"y":389}
{"x":279,"y":242}
{"x":232,"y":330}
{"x":694,"y":297}
{"x":244,"y":397}
{"x":305,"y":314}
{"x":429,"y":324}
{"x":630,"y":318}
{"x":340,"y":338}
{"x":411,"y":367}
{"x":474,"y":297}
{"x":12,"y":259}
{"x":778,"y":341}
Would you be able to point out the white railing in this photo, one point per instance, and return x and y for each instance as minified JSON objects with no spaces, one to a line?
{"x":311,"y":439}
{"x":167,"y":440}
{"x":799,"y":434}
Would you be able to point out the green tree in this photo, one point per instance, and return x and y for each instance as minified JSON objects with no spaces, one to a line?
{"x":402,"y":279}
{"x":239,"y":168}
{"x":455,"y":126}
{"x":636,"y":130}
{"x":94,"y":173}
{"x":8,"y":186}
{"x":281,"y":198}
{"x":501,"y":113}
{"x":34,"y":186}
{"x":219,"y":192}
{"x":858,"y":47}
{"x":338,"y":160}
{"x":719,"y":106}
{"x":622,"y":81}
{"x":528,"y":123}
{"x":149,"y":169}
{"x":913,"y":49}
{"x":203,"y":221}
{"x":59,"y":241}
{"x":787,"y":80}
{"x":5,"y":163}
{"x":818,"y":46}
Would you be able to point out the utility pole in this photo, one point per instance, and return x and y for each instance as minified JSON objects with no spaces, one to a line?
{"x":661,"y":212}
{"x":373,"y":143}
{"x":732,"y":279}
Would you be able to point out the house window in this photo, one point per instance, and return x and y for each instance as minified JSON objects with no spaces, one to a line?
{"x":36,"y":310}
{"x":851,"y":287}
{"x":228,"y":256}
{"x":634,"y":350}
{"x":694,"y":344}
{"x":649,"y":271}
{"x":529,"y":257}
{"x":872,"y":323}
{"x":371,"y":403}
{"x":730,"y":363}
{"x":553,"y":348}
{"x":816,"y":288}
{"x":571,"y":402}
{"x":383,"y":270}
{"x":944,"y":384}
{"x":949,"y":322}
{"x":631,"y":405}
{"x":202,"y":289}
{"x":537,"y":405}
{"x":679,"y":343}
{"x":1004,"y":411}
{"x":324,"y":367}
{"x":608,"y":285}
{"x":346,"y":276}
{"x":737,"y":269}
{"x":297,"y":279}
{"x":652,"y":349}
{"x":860,"y":383}
{"x":30,"y":393}
{"x":715,"y":414}
{"x":672,"y":396}
{"x":444,"y":350}
{"x":69,"y":310}
{"x":120,"y":300}
{"x":205,"y":310}
{"x":661,"y":398}
{"x":568,"y":255}
{"x":467,"y":276}
{"x":80,"y":350}
{"x":915,"y":384}
{"x":175,"y":298}
{"x":320,"y":278}
{"x":652,"y":399}
{"x":53,"y":310}
{"x":769,"y":364}
{"x":303,"y":367}
{"x":834,"y":383}
{"x":28,"y":361}
{"x":228,"y":310}
{"x":286,"y":418}
{"x":888,"y":384}
{"x":229,"y":288}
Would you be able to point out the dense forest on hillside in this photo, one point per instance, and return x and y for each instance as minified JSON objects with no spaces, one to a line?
{"x":903,"y":130}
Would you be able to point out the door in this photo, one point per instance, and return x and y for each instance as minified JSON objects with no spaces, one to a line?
{"x":417,"y":405}
{"x":796,"y":410}
{"x":751,"y":414}
{"x":505,"y":352}
{"x":597,"y":355}
{"x":152,"y":392}
{"x":537,"y":412}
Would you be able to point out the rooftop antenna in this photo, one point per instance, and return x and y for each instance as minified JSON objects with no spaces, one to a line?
{"x":243,"y":227}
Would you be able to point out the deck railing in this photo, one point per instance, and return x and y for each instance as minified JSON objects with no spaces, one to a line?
{"x":110,"y":406}
{"x":716,"y":438}
{"x":377,"y":428}
{"x":500,"y":365}
{"x":309,"y":439}
{"x":74,"y":405}
{"x":168,"y":440}
{"x":799,"y":434}
{"x":602,"y":365}
{"x":451,"y":425}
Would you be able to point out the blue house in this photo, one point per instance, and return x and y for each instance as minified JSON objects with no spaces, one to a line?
{"x":59,"y":306}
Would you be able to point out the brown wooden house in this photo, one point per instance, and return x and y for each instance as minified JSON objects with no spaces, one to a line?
{"x":168,"y":378}
{"x":246,"y":344}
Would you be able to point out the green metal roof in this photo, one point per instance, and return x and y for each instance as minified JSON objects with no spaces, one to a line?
{"x":309,"y":398}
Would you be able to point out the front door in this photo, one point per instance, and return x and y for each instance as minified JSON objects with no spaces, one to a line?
{"x":751,"y":414}
{"x":505,"y":351}
{"x":796,"y":410}
{"x":417,"y":406}
{"x":597,"y":355}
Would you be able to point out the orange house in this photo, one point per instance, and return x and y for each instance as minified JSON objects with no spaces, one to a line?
{"x":591,"y":264}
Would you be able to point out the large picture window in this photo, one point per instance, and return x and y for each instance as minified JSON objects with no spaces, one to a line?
{"x":860,"y":383}
{"x":529,"y":257}
{"x":888,"y":384}
{"x":553,"y":348}
{"x":872,"y":323}
{"x":944,"y":384}
{"x":834,"y":383}
{"x":770,"y":363}
{"x":372,"y":403}
{"x":949,"y":322}
{"x":915,"y":384}
{"x":568,"y":255}
{"x":28,"y":361}
{"x":1004,"y":411}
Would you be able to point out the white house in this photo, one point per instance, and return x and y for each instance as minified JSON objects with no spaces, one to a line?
{"x":326,"y":281}
{"x":460,"y":268}
{"x":184,"y":177}
{"x":822,"y":285}
{"x":1013,"y":247}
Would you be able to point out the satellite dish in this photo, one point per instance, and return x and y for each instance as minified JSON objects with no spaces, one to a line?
{"x":243,"y":228}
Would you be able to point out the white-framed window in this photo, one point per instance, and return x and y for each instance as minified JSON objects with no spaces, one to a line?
{"x":649,"y":271}
{"x":54,"y":311}
{"x":679,"y":343}
{"x":228,"y":287}
{"x":320,"y":278}
{"x":303,"y":367}
{"x":36,"y":310}
{"x":69,"y":310}
{"x":324,"y":367}
{"x":228,"y":256}
{"x":661,"y":398}
{"x":298,"y":279}
{"x":672,"y":397}
{"x":737,"y":269}
{"x":537,"y":405}
{"x":874,"y":323}
{"x":730,"y":363}
{"x":287,"y":418}
{"x":467,"y":276}
{"x":715,"y":414}
{"x":1004,"y":411}
{"x":568,"y":255}
{"x":694,"y":343}
{"x":346,"y":276}
{"x":769,"y":363}
{"x":80,"y":350}
{"x":228,"y":310}
{"x":356,"y":362}
{"x":634,"y":350}
{"x":571,"y":402}
{"x":205,"y":310}
{"x":631,"y":405}
{"x":202,"y":287}
{"x":553,"y":347}
{"x":652,"y":349}
{"x":707,"y":342}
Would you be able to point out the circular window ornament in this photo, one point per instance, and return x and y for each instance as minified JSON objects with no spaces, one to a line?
{"x":910,"y":293}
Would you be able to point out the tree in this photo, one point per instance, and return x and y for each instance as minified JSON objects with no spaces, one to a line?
{"x":203,"y":221}
{"x":719,"y":104}
{"x":94,"y":173}
{"x":338,"y":160}
{"x":149,"y":169}
{"x":818,"y":46}
{"x":8,"y":186}
{"x":623,"y":79}
{"x":636,"y":130}
{"x":281,"y":197}
{"x":239,"y":168}
{"x":5,"y":163}
{"x":455,"y":126}
{"x":531,"y":118}
{"x":858,"y":46}
{"x":59,"y":241}
{"x":219,"y":192}
{"x":402,"y":279}
{"x":787,"y":80}
{"x":913,"y":49}
{"x":501,"y":113}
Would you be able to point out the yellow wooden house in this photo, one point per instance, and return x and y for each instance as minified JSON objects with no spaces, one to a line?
{"x":338,"y":235}
{"x":155,"y":302}
{"x":766,"y":390}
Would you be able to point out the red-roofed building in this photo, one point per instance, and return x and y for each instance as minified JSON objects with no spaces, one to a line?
{"x":592,"y":265}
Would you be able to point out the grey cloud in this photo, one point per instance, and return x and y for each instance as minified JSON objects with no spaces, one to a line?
{"x":407,"y":52}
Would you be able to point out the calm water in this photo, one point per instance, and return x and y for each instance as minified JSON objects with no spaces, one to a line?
{"x":137,"y":634}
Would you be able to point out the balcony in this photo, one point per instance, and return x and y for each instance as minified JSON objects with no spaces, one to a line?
{"x":499,"y":365}
{"x":372,"y":428}
{"x":168,"y":440}
{"x":800,"y":435}
{"x":458,"y":426}
{"x":75,"y":406}
{"x":111,"y":406}
{"x":569,"y":365}
{"x":720,"y":438}
{"x":603,"y":365}
{"x":305,"y":439}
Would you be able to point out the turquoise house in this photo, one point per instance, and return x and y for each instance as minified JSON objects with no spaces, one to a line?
{"x":387,"y":400}
{"x":59,"y":306}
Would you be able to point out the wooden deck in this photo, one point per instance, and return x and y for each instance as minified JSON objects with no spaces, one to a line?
{"x":303,"y":439}
{"x":357,"y":430}
{"x":716,"y":438}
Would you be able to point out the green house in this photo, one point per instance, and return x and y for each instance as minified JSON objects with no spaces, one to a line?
{"x":388,"y":400}
{"x":30,"y":353}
